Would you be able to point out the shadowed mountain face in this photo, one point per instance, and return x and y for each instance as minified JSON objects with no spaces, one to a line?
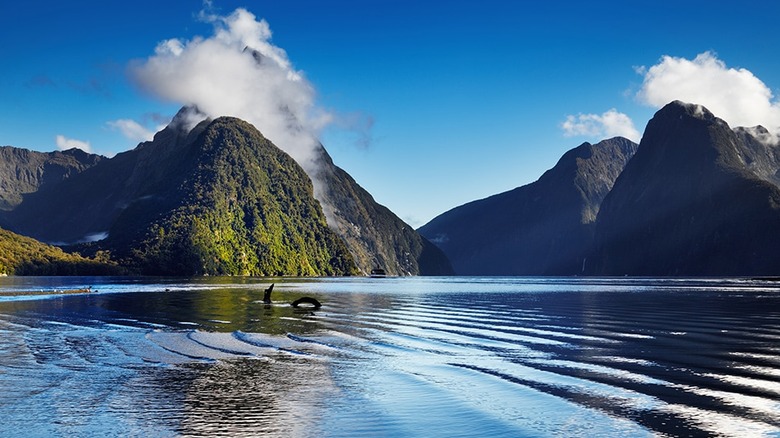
{"x":698,"y":198}
{"x":376,"y":237}
{"x":543,"y":228}
{"x":23,"y":171}
{"x":220,"y":199}
{"x":86,"y":205}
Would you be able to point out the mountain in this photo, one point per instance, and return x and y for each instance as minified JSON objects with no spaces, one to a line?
{"x":543,"y":228}
{"x":219,"y":198}
{"x":20,"y":255}
{"x":23,"y":171}
{"x":698,"y":198}
{"x":216,"y":199}
{"x":84,"y":207}
{"x":239,"y":206}
{"x":376,"y":237}
{"x":758,"y":154}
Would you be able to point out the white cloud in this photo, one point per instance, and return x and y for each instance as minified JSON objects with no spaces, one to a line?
{"x":609,"y":124}
{"x":735,"y":95}
{"x":64,"y":143}
{"x":238,"y":72}
{"x":132,"y":129}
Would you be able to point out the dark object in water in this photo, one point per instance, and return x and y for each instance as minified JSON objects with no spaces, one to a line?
{"x":303,"y":300}
{"x":267,"y":295}
{"x":307,"y":300}
{"x":378,"y":273}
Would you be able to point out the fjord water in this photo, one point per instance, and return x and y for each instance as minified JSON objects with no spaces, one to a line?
{"x":441,"y":356}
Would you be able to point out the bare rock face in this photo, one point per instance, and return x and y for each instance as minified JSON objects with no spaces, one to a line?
{"x":759,"y":153}
{"x":375,"y":236}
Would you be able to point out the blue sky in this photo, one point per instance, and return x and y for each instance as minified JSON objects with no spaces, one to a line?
{"x":429,"y":104}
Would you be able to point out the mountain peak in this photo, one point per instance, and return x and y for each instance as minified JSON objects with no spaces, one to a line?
{"x":683,"y":112}
{"x":687,"y":204}
{"x":542,"y":228}
{"x":185,"y":121}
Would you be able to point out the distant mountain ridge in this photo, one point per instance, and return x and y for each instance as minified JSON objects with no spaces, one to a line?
{"x":543,"y":228}
{"x":216,"y":199}
{"x":23,"y":171}
{"x":696,"y":198}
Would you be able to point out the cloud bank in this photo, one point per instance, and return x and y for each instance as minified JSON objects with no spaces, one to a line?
{"x":609,"y":124}
{"x":65,"y":143}
{"x":735,"y":95}
{"x":238,"y":72}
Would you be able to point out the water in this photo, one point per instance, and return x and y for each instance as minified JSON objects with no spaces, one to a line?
{"x":390,"y":357}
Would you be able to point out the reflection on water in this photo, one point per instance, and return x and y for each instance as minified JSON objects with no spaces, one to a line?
{"x":390,"y":357}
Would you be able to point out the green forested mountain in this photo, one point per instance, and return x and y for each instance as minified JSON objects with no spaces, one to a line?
{"x":20,"y":255}
{"x":236,"y":205}
{"x":217,"y":199}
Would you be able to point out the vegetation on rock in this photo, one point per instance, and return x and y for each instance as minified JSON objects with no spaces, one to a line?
{"x":20,"y":255}
{"x":240,"y":206}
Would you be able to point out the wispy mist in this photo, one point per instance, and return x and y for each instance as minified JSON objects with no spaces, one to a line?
{"x":609,"y":124}
{"x":131,"y":129}
{"x":65,"y":143}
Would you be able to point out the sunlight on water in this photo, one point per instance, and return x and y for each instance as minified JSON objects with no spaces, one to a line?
{"x":390,"y":357}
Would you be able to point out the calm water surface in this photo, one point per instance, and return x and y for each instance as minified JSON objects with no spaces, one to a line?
{"x":390,"y":357}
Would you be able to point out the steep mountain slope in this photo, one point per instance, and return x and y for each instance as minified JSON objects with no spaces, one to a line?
{"x":124,"y":194}
{"x":215,"y":199}
{"x":543,"y":228}
{"x":20,"y":255}
{"x":687,"y":203}
{"x":239,"y":205}
{"x":23,"y":171}
{"x":376,"y":237}
{"x":757,"y":154}
{"x":84,"y":207}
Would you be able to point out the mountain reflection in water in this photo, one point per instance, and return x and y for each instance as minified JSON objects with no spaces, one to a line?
{"x":397,"y":356}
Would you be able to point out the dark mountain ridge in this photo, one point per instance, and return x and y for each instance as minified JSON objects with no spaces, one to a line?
{"x":691,"y":202}
{"x":543,"y":228}
{"x":23,"y":171}
{"x":697,"y":198}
